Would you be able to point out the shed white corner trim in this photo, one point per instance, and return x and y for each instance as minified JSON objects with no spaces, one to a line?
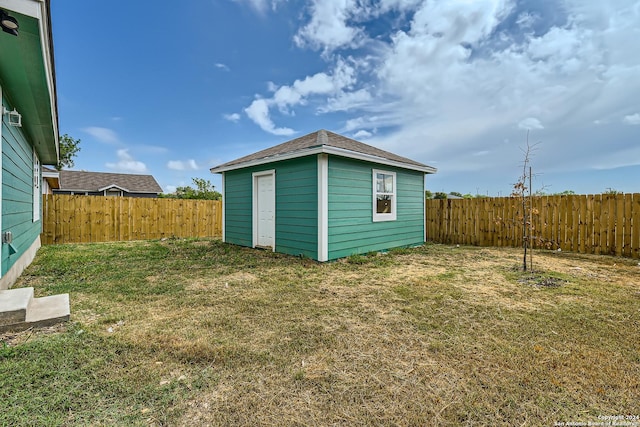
{"x":323,"y":207}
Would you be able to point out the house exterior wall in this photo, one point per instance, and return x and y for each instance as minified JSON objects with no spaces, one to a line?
{"x":17,"y":196}
{"x":296,"y":229}
{"x":351,"y":229}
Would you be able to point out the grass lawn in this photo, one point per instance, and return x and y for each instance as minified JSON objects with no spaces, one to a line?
{"x":201,"y":333}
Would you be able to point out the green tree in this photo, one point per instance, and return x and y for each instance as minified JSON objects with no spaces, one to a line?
{"x":428,"y":194}
{"x":440,"y":195}
{"x":455,"y":193}
{"x":69,"y":148}
{"x":203,"y":190}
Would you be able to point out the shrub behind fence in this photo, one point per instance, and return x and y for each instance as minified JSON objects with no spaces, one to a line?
{"x":83,"y":219}
{"x":594,"y":224}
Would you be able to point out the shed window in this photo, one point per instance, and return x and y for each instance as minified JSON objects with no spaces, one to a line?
{"x":384,"y":195}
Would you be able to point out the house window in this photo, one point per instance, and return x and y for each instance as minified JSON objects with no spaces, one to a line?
{"x":36,"y":187}
{"x":113,"y":192}
{"x":384,"y":195}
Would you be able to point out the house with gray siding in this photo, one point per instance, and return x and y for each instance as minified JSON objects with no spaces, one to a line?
{"x":323,"y":196}
{"x":29,"y":135}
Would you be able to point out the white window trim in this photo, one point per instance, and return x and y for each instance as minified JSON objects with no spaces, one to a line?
{"x":393,"y":215}
{"x":37,"y":189}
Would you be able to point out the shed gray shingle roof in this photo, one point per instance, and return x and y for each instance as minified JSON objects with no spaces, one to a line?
{"x":318,"y":139}
{"x":96,"y":181}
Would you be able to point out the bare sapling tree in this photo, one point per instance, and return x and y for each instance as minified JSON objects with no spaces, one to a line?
{"x":522,"y":192}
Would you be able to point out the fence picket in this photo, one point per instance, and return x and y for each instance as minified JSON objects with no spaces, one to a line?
{"x":596,"y":224}
{"x":620,"y":225}
{"x":635,"y":226}
{"x":83,"y":219}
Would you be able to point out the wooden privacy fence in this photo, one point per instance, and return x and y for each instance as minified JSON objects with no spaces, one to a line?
{"x":82,"y":219}
{"x":594,"y":224}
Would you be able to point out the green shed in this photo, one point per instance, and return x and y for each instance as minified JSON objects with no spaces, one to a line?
{"x":323,"y":196}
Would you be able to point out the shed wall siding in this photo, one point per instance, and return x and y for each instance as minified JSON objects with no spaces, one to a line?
{"x":296,"y":206}
{"x":17,"y":193}
{"x":351,"y":226}
{"x":238,"y":207}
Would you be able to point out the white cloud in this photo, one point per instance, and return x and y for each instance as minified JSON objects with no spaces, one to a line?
{"x":451,"y":81}
{"x":151,"y":149}
{"x":286,"y":97}
{"x":294,"y":94}
{"x":258,"y":111}
{"x":460,"y":87}
{"x":234,"y":117}
{"x":328,"y":28}
{"x":105,"y":135}
{"x":345,"y":101}
{"x":180,"y":165}
{"x":126,"y":163}
{"x":362,"y":134}
{"x":530,"y":123}
{"x":261,"y":6}
{"x":632,"y":119}
{"x":221,"y":66}
{"x":367,"y":122}
{"x":526,"y":20}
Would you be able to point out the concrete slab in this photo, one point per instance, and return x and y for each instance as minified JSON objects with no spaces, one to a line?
{"x":53,"y":308}
{"x":13,"y":305}
{"x":42,"y":312}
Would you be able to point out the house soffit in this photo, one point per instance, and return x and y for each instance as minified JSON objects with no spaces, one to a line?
{"x":26,"y":76}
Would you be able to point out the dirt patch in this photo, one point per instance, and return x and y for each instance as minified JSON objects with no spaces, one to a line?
{"x":17,"y":338}
{"x":540,"y":280}
{"x":235,"y":279}
{"x":603,"y":269}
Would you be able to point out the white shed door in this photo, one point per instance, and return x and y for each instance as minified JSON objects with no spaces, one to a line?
{"x":265,"y":211}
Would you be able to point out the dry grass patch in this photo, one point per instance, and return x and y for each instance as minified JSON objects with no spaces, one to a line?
{"x":428,"y":336}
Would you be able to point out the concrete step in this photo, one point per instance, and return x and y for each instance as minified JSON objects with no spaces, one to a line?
{"x":13,"y":305}
{"x":39,"y":312}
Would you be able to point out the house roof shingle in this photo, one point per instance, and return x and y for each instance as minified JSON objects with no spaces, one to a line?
{"x":321,"y":139}
{"x":97,"y":181}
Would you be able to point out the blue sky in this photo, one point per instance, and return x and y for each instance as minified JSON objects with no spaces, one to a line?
{"x":173,"y":89}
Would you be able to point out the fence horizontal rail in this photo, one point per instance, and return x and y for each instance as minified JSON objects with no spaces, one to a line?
{"x":84,"y":219}
{"x":594,"y":224}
